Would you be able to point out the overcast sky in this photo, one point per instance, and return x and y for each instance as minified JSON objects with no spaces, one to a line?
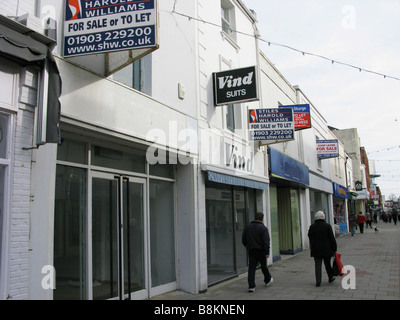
{"x":362,"y":33}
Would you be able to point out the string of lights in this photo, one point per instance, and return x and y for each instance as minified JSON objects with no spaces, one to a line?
{"x":304,"y":53}
{"x":389,"y":171}
{"x":390,"y":179}
{"x":385,"y":149}
{"x":333,"y":61}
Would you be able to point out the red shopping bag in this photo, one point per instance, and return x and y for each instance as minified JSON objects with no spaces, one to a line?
{"x":337,"y":265}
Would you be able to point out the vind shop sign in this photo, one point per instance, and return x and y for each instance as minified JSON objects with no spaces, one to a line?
{"x":327,"y":149}
{"x":99,"y":26}
{"x":234,"y":86}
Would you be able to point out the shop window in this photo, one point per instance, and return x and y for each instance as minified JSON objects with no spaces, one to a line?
{"x":72,"y":151}
{"x":228,"y":210}
{"x":89,"y":197}
{"x":123,"y":160}
{"x":162,"y":233}
{"x":2,"y":182}
{"x":69,"y":233}
{"x":162,"y":170}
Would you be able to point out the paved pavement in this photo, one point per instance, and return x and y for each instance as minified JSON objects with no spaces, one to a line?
{"x":375,"y":257}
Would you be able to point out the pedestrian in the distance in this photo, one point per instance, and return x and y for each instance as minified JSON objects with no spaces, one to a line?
{"x":256,"y":239}
{"x":361,"y":220}
{"x":323,"y":246}
{"x":352,"y":223}
{"x":395,"y":216}
{"x":369,"y":220}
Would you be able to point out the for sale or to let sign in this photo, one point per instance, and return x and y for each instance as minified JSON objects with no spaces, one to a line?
{"x":99,"y":26}
{"x":327,"y":149}
{"x":271,"y":125}
{"x":302,"y":116}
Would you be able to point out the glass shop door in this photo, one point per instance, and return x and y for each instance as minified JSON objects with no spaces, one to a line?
{"x":119,"y":250}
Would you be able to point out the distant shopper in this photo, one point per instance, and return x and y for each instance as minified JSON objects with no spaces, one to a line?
{"x":323,"y":246}
{"x":256,"y":239}
{"x":369,"y":220}
{"x":352,"y":223}
{"x":361,"y":220}
{"x":395,"y":216}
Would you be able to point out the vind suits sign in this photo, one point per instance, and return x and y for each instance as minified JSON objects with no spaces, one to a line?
{"x":235,"y":86}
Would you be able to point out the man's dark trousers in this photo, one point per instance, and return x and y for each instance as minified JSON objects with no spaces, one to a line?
{"x":255,"y":257}
{"x":318,"y":268}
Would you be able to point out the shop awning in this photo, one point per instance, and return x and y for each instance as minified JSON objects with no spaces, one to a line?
{"x":236,"y":181}
{"x":26,"y":47}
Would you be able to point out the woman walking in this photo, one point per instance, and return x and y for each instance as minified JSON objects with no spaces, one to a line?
{"x":361,"y":220}
{"x":323,"y":246}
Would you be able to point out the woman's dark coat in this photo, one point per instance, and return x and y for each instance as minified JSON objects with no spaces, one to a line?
{"x":322,"y":240}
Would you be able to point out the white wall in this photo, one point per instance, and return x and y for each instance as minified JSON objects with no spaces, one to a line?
{"x":186,"y":233}
{"x":319,"y":130}
{"x":276,"y":91}
{"x":19,"y":103}
{"x":42,"y":220}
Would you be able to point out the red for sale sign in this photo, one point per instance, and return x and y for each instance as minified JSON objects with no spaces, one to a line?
{"x":302,"y":117}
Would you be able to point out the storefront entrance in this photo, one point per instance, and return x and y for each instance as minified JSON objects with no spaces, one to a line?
{"x":285,"y":221}
{"x":114,"y":224}
{"x":229,"y":209}
{"x":289,"y":221}
{"x":118,"y":237}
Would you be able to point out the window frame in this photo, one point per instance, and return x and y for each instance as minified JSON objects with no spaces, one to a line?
{"x":6,"y":163}
{"x":228,"y":20}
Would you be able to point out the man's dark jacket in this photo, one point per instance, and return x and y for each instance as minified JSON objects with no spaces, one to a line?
{"x":256,"y":237}
{"x":322,"y":240}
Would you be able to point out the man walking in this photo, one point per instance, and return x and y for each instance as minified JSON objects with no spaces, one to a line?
{"x":256,"y":239}
{"x":323,"y":246}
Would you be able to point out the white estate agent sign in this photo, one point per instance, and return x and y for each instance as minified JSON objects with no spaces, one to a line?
{"x":271,"y":125}
{"x":327,"y":149}
{"x":98,"y":26}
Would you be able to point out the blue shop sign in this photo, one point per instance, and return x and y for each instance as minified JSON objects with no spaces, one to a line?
{"x":340,"y":191}
{"x":287,"y":168}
